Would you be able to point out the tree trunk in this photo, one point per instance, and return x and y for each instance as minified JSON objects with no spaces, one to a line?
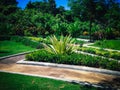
{"x":90,"y":28}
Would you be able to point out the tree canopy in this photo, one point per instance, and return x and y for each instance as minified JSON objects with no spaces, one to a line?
{"x":97,"y":18}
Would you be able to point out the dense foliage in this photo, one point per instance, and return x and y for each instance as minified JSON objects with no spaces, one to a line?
{"x":73,"y":59}
{"x":100,"y":19}
{"x":104,"y":12}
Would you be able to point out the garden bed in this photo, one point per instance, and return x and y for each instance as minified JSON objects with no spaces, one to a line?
{"x":101,"y":52}
{"x":73,"y":59}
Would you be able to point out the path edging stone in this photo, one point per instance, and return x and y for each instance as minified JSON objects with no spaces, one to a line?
{"x":13,"y":55}
{"x":75,"y":67}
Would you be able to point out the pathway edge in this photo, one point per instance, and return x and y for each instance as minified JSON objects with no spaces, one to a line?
{"x":75,"y":67}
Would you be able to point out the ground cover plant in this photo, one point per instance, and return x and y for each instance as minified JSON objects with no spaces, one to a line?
{"x":111,"y":44}
{"x":10,"y":47}
{"x":23,"y":82}
{"x":73,"y":59}
{"x":101,"y":52}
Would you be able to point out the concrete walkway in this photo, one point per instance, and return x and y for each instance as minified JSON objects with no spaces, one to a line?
{"x":9,"y":64}
{"x":87,"y":44}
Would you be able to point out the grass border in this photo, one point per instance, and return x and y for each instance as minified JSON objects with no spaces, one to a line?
{"x":13,"y":55}
{"x":65,"y":80}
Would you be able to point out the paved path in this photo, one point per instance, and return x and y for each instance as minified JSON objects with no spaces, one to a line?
{"x":87,"y":44}
{"x":9,"y":64}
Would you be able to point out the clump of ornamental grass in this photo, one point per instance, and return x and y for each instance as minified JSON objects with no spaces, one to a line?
{"x":64,"y":45}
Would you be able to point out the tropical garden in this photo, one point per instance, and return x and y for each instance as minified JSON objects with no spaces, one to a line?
{"x":58,"y":34}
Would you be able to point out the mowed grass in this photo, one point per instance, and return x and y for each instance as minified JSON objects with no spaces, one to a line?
{"x":22,"y":82}
{"x":110,"y":44}
{"x":10,"y":47}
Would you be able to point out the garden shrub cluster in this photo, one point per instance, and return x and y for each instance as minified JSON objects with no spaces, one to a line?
{"x":40,"y":39}
{"x":73,"y":59}
{"x":107,"y":33}
{"x":26,"y":41}
{"x":101,"y":52}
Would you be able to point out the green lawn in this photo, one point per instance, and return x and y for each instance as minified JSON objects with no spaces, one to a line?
{"x":10,"y":47}
{"x":22,"y":82}
{"x":111,"y":44}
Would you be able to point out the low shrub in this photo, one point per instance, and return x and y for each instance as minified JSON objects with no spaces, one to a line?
{"x":85,"y":33}
{"x":115,"y":55}
{"x":98,"y":35}
{"x":89,"y":50}
{"x":73,"y":59}
{"x":26,"y":41}
{"x":101,"y":52}
{"x":39,"y":39}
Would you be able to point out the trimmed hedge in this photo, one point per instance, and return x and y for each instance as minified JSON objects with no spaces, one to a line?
{"x":26,"y":41}
{"x":102,"y":52}
{"x":40,"y":39}
{"x":73,"y":59}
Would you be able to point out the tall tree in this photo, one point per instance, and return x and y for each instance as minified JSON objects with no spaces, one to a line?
{"x":52,"y":6}
{"x":104,"y":12}
{"x":41,"y":6}
{"x":7,"y":8}
{"x":30,"y":5}
{"x":85,"y":10}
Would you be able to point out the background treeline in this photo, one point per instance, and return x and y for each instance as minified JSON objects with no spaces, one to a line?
{"x":97,"y":18}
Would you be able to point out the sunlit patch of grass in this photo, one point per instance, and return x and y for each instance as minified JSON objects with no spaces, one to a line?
{"x":23,"y":82}
{"x":10,"y":47}
{"x":111,"y":44}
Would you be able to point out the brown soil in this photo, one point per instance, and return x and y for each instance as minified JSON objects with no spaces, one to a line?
{"x":9,"y":64}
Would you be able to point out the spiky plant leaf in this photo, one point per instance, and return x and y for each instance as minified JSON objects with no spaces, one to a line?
{"x":63,"y":46}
